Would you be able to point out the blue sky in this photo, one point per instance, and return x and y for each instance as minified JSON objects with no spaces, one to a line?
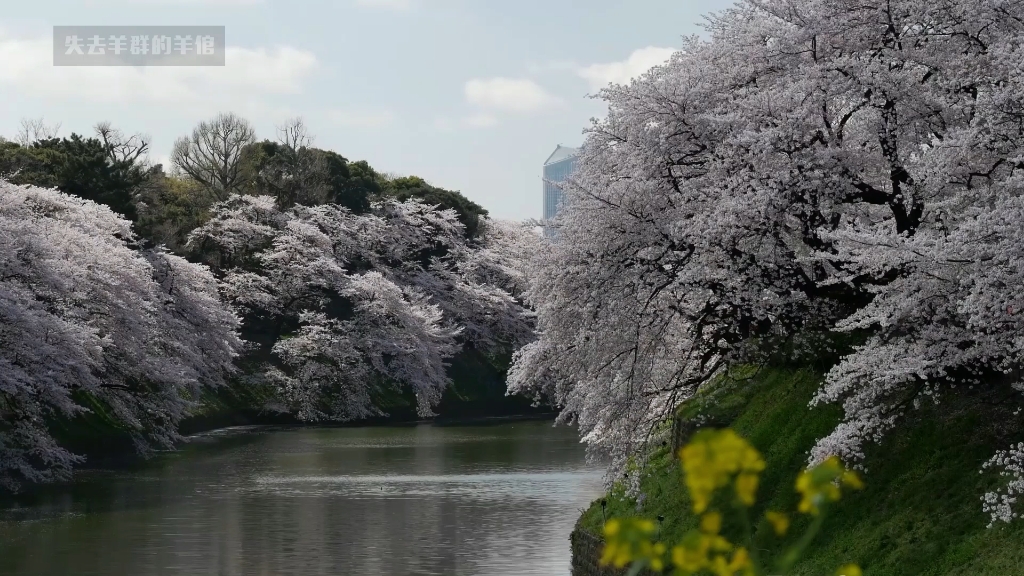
{"x":472,"y":95}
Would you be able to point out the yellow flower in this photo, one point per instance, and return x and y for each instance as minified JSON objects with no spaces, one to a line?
{"x":779,"y":522}
{"x":688,"y":560}
{"x":701,"y":551}
{"x":741,"y":562}
{"x":611,"y":527}
{"x":690,"y":557}
{"x":629,"y":540}
{"x":609,"y":553}
{"x":849,"y":570}
{"x":710,"y":461}
{"x":851,"y":479}
{"x":711,"y":523}
{"x":820,"y":484}
{"x":718,"y":544}
{"x":719,"y":566}
{"x":746,"y":488}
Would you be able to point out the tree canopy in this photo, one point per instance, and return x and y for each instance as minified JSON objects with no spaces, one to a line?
{"x":414,"y":187}
{"x":91,"y":168}
{"x":313,"y":284}
{"x":809,"y":170}
{"x":88,"y":322}
{"x":342,"y":304}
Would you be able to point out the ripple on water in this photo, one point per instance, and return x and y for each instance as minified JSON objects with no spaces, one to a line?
{"x":482,"y":486}
{"x":497,"y":500}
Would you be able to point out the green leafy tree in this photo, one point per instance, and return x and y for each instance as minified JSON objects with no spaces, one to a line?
{"x":22,"y":164}
{"x":169,"y":207}
{"x":108,"y":169}
{"x":293,"y":172}
{"x":353,"y":184}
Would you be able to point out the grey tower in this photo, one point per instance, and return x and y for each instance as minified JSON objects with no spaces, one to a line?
{"x":557,"y":168}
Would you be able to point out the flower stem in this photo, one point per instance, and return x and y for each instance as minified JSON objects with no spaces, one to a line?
{"x":796,"y":551}
{"x":748,"y":531}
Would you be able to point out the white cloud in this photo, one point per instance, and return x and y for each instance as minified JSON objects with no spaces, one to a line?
{"x":551,"y":66}
{"x":394,"y":5}
{"x":249,"y":76}
{"x":640,"y":61}
{"x":509,"y":95}
{"x":363,"y":119}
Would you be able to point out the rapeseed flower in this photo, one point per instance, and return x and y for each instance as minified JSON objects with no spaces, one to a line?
{"x":705,"y":549}
{"x":779,"y":522}
{"x":712,"y":459}
{"x":739,"y":564}
{"x":711,"y":523}
{"x":821,"y":484}
{"x":629,"y":540}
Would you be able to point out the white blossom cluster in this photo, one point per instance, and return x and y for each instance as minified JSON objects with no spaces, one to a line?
{"x":357,"y":299}
{"x":811,"y":168}
{"x":88,"y":322}
{"x":999,"y":504}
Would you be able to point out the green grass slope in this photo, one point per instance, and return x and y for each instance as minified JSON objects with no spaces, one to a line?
{"x":920,"y":513}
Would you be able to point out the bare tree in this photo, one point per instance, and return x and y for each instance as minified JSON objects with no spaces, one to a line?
{"x":122,"y":148}
{"x":210,"y":155}
{"x":294,"y":134}
{"x":297,"y":173}
{"x":33,"y":130}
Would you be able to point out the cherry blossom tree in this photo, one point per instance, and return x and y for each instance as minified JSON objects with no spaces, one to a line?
{"x":342,"y":305}
{"x":88,"y":322}
{"x":810,"y":167}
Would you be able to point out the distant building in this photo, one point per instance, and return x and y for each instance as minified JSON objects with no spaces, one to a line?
{"x":557,"y":168}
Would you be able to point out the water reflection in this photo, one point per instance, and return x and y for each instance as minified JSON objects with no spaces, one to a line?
{"x":495,"y":500}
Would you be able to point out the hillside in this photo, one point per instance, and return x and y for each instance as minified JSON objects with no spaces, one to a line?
{"x":920,"y":513}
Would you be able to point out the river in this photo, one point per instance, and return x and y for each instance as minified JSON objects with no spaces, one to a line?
{"x":495,"y":500}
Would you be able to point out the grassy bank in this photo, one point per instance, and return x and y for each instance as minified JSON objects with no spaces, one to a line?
{"x":921,"y":510}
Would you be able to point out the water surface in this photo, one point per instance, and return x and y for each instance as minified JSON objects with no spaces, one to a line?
{"x":495,"y":500}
